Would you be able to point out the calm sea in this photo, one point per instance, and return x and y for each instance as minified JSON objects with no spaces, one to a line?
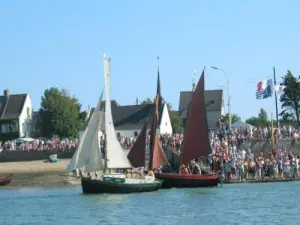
{"x":276,"y":203}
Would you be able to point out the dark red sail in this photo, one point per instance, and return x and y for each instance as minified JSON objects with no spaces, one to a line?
{"x":137,"y":153}
{"x":196,"y":140}
{"x":159,"y":157}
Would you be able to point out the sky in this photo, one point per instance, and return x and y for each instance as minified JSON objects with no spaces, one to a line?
{"x":61,"y":43}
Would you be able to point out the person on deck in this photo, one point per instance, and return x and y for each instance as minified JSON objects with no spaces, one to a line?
{"x":150,"y":176}
{"x":184,"y":170}
{"x":195,"y":168}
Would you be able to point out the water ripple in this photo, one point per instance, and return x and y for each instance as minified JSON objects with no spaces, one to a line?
{"x":244,"y":204}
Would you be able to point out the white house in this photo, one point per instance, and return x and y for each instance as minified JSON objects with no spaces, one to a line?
{"x":214,"y":100}
{"x":129,"y":119}
{"x":15,"y":115}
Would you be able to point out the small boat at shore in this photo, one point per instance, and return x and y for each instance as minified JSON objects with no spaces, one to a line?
{"x":89,"y":156}
{"x":195,"y":144}
{"x":53,"y":158}
{"x":5,"y":180}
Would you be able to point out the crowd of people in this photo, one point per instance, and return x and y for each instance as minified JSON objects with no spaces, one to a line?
{"x":52,"y":144}
{"x":240,"y":164}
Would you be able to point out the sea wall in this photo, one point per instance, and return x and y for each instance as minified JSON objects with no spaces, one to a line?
{"x":255,"y":146}
{"x":23,"y":156}
{"x":266,"y":146}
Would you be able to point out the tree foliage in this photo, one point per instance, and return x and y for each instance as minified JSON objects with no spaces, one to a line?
{"x":225,"y":118}
{"x":176,"y":121}
{"x":260,"y":121}
{"x":290,"y":98}
{"x":147,"y":101}
{"x":59,"y":114}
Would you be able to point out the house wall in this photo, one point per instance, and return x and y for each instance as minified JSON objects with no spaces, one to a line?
{"x":212,"y":118}
{"x":129,"y":133}
{"x":165,"y":126}
{"x":25,"y":119}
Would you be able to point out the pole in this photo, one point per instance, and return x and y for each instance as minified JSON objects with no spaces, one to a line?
{"x":228,"y":94}
{"x":276,"y":105}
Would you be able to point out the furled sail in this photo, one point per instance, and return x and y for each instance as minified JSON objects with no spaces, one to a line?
{"x":116,"y":157}
{"x":87,"y":145}
{"x":196,"y":140}
{"x":138,"y":151}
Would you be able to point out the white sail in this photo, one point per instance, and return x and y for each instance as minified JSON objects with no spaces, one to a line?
{"x":95,"y":161}
{"x":87,"y":144}
{"x":116,"y":157}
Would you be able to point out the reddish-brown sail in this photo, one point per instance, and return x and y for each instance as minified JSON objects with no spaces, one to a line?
{"x":137,"y":153}
{"x":159,"y":158}
{"x":196,"y":139}
{"x":157,"y":155}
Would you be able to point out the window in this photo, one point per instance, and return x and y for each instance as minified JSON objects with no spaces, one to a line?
{"x":118,"y":134}
{"x":136,"y":133}
{"x":166,"y":124}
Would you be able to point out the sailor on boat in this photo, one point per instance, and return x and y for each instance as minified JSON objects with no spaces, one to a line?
{"x":150,"y":176}
{"x":195,"y":168}
{"x":184,"y":170}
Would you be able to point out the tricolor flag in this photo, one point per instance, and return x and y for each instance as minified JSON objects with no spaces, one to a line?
{"x":261,"y":87}
{"x":279,"y":89}
{"x":264,"y":89}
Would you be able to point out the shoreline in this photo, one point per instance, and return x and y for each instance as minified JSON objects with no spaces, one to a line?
{"x":49,"y":175}
{"x":37,"y":174}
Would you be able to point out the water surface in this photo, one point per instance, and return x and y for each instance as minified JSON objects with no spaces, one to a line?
{"x":269,"y":203}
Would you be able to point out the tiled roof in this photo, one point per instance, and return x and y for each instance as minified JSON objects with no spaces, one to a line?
{"x":213,"y":99}
{"x":12,"y":108}
{"x":129,"y":116}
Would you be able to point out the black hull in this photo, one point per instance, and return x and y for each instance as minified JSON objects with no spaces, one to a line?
{"x":90,"y":186}
{"x":187,"y":181}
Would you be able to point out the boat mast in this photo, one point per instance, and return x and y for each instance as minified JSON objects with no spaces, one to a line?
{"x":105,"y":154}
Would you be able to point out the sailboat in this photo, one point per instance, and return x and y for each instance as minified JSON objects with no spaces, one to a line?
{"x":88,"y":155}
{"x":195,"y":144}
{"x":137,"y":154}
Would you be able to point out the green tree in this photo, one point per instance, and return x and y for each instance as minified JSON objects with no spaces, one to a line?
{"x":176,"y":121}
{"x":263,"y":116}
{"x":290,"y":98}
{"x":225,"y":118}
{"x":147,"y":101}
{"x":59,"y":114}
{"x":260,"y":121}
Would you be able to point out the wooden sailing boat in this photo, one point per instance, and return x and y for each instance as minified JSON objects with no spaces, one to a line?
{"x":137,"y":154}
{"x":89,"y":154}
{"x":195,"y":144}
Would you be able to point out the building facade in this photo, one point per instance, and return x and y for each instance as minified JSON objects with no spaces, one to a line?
{"x":214,"y":100}
{"x":15,"y":115}
{"x":129,"y":119}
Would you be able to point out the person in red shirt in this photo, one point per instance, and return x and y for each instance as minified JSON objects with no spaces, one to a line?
{"x":184,"y":170}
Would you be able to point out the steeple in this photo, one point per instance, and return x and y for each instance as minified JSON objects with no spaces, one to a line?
{"x":158,"y":93}
{"x":158,"y":90}
{"x":194,"y":85}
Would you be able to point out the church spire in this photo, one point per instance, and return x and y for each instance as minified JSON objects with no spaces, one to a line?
{"x":194,"y":85}
{"x":158,"y":90}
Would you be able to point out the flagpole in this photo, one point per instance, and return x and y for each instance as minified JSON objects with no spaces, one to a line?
{"x":276,"y":105}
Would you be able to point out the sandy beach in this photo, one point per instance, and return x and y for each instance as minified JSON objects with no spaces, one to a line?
{"x":37,"y":173}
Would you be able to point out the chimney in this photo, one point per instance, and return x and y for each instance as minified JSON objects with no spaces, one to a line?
{"x":193,"y":86}
{"x":137,"y":101}
{"x":6,"y":93}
